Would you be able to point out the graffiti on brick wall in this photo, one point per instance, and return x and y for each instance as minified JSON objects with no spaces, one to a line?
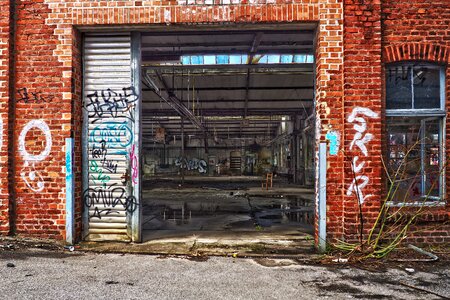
{"x":29,"y":173}
{"x":195,"y":164}
{"x":32,"y":97}
{"x":112,"y":153}
{"x":360,"y":140}
{"x":108,"y":103}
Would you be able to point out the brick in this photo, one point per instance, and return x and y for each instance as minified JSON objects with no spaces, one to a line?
{"x":355,"y":40}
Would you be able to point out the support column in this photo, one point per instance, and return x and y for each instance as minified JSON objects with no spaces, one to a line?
{"x":329,"y":108}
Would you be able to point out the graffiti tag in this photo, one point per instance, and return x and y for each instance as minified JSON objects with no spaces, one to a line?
{"x":113,"y":133}
{"x":193,"y":164}
{"x":32,"y":97}
{"x":108,"y":103}
{"x":32,"y":177}
{"x":134,"y":165}
{"x":360,"y":139}
{"x":107,"y":201}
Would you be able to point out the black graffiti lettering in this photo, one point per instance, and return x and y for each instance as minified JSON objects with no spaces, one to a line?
{"x":110,"y":199}
{"x":110,"y":166}
{"x":131,"y":96}
{"x":35,"y":97}
{"x":107,"y":212}
{"x":108,"y":103}
{"x":99,"y":152}
{"x":23,"y":95}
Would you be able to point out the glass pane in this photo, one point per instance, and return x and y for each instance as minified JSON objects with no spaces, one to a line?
{"x":398,"y":87}
{"x":222,"y":59}
{"x":404,"y":158}
{"x":273,"y":59}
{"x":426,"y":87}
{"x":432,"y":165}
{"x":186,"y":60}
{"x":300,"y":58}
{"x":263,"y":59}
{"x":235,"y":59}
{"x":286,"y":59}
{"x":209,"y":59}
{"x":197,"y":60}
{"x":413,"y":142}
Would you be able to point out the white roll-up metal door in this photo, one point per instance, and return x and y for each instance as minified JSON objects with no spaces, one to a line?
{"x":109,"y":139}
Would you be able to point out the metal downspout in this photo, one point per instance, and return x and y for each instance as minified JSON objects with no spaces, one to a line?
{"x":12,"y":117}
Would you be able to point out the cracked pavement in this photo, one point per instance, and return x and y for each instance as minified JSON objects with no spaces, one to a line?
{"x":53,"y":274}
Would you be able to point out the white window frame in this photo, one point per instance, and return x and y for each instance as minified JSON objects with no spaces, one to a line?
{"x":431,"y":113}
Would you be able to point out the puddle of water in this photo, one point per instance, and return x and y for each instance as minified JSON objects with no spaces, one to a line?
{"x":283,"y":210}
{"x":222,"y":212}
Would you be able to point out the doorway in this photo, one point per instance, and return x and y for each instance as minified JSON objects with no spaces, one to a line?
{"x":228,"y":134}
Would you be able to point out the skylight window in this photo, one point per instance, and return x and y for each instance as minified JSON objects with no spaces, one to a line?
{"x":242,"y":59}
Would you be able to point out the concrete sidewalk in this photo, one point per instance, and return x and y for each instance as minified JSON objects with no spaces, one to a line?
{"x":54,"y":274}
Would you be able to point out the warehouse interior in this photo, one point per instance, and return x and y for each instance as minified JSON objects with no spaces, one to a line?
{"x":228,"y":131}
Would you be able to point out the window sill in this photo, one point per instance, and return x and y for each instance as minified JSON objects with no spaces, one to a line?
{"x":417,"y":204}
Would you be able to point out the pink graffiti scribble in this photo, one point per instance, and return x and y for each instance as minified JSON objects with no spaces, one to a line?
{"x":134,"y":165}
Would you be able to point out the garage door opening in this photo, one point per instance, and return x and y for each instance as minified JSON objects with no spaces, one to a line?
{"x":228,"y":134}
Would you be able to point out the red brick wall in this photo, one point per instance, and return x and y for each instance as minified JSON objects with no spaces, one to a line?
{"x":76,"y":123}
{"x":348,"y":76}
{"x":330,"y":106}
{"x":43,"y":115}
{"x":4,"y":113}
{"x":49,"y":68}
{"x":362,"y":83}
{"x":419,"y":30}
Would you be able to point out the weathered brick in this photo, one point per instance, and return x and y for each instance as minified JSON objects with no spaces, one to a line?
{"x":354,"y":41}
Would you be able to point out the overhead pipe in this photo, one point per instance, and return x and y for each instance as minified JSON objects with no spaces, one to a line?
{"x":174,"y":102}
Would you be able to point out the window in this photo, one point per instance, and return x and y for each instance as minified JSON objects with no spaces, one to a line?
{"x":415,"y":115}
{"x":241,"y":59}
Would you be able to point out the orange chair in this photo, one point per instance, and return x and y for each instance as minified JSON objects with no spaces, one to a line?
{"x":269,"y":180}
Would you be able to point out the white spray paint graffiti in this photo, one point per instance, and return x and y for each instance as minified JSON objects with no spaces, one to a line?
{"x":199,"y":165}
{"x":167,"y":15}
{"x":32,"y":178}
{"x":360,"y":139}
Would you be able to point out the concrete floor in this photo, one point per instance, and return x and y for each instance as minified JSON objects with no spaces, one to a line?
{"x":217,"y":212}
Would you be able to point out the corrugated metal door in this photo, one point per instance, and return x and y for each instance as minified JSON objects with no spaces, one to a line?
{"x":111,"y":167}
